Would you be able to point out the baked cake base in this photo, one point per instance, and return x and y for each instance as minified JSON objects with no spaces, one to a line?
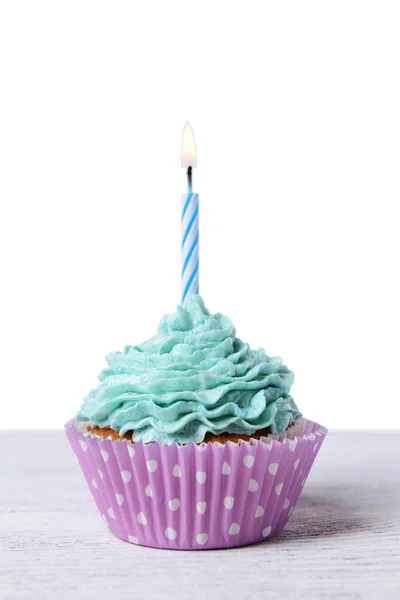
{"x":222,"y":438}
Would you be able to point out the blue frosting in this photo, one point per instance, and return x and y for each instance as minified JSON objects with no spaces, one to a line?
{"x":195,"y":376}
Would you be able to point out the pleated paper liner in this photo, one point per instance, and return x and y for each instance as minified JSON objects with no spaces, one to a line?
{"x":197,"y":497}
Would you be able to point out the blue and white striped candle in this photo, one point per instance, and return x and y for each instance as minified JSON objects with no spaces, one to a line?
{"x":190,"y":244}
{"x":190,"y":220}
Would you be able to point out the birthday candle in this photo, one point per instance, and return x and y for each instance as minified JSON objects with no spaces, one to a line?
{"x":190,"y":220}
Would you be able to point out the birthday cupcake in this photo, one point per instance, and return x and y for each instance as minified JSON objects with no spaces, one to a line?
{"x":192,"y":440}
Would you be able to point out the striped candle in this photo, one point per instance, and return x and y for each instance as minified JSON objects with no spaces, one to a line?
{"x":190,"y":245}
{"x":190,"y":219}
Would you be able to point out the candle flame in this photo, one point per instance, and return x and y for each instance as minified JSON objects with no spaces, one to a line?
{"x":188,"y":155}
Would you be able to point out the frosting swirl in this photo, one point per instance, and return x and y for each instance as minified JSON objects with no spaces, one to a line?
{"x":194,"y":377}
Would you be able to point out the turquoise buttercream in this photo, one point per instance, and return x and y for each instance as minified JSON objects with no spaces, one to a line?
{"x":194,"y":377}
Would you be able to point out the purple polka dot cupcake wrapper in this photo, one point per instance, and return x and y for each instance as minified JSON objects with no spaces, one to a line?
{"x":197,"y":497}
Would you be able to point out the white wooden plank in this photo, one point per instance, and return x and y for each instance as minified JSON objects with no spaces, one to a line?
{"x":343,"y":540}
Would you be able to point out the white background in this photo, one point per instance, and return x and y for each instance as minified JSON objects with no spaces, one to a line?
{"x":295,"y":107}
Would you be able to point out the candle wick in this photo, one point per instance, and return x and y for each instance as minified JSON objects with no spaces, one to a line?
{"x":189,"y":177}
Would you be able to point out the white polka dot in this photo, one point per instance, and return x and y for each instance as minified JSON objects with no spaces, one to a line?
{"x":177,"y":471}
{"x":111,"y":513}
{"x":152,"y":465}
{"x":94,"y":484}
{"x":286,"y":503}
{"x":259,"y":511}
{"x":292,"y":445}
{"x":120,"y":499}
{"x":170,"y":533}
{"x":148,"y":491}
{"x":133,"y":539}
{"x":229,"y":502}
{"x":104,"y":455}
{"x":104,"y":519}
{"x":266,"y":531}
{"x":291,"y":510}
{"x":100,"y":473}
{"x":296,"y":463}
{"x":126,"y":476}
{"x":202,"y":538}
{"x":311,"y":437}
{"x":248,"y":461}
{"x":201,"y":507}
{"x":201,"y":476}
{"x":131,"y":450}
{"x":174,"y":504}
{"x":253,"y":485}
{"x":303,"y":482}
{"x":84,"y":445}
{"x":142,"y":519}
{"x":226,"y":469}
{"x":278,"y":488}
{"x":234,"y":529}
{"x":273,"y":468}
{"x":201,"y":447}
{"x":315,"y":447}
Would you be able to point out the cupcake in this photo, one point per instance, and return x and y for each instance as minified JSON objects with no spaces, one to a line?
{"x":192,"y":440}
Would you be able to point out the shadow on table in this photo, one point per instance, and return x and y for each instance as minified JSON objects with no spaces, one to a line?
{"x":325,"y":513}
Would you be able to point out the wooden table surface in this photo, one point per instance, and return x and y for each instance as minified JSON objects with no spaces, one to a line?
{"x":343,"y":539}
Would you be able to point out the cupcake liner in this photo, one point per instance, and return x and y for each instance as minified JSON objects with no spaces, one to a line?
{"x":197,"y":497}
